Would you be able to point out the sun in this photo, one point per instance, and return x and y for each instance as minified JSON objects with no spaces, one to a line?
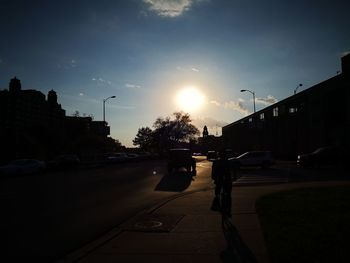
{"x":190,"y":99}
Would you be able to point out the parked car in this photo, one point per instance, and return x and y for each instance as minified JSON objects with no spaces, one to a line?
{"x":144,"y":156}
{"x":64,"y":161}
{"x":117,"y":157}
{"x":133,"y":156}
{"x":330,"y":155}
{"x":230,"y":153}
{"x":212,"y":155}
{"x":181,"y":157}
{"x":23,"y":167}
{"x":263,"y":159}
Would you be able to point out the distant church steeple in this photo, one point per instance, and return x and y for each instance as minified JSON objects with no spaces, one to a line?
{"x":15,"y":85}
{"x":52,"y":97}
{"x":205,"y":131}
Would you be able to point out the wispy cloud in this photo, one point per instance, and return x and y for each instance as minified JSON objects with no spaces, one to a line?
{"x":68,"y":64}
{"x":80,"y":99}
{"x":85,"y":99}
{"x":209,"y":122}
{"x":237,"y":106}
{"x":187,"y":68}
{"x":73,"y":63}
{"x":266,"y":101}
{"x":102,"y":82}
{"x":170,"y":8}
{"x":214,"y":126}
{"x":81,"y":94}
{"x":216,"y":103}
{"x":122,"y":107}
{"x":345,"y":53}
{"x":232,"y":105}
{"x":132,"y":86}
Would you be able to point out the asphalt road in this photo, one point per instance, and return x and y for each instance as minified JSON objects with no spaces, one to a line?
{"x":44,"y":217}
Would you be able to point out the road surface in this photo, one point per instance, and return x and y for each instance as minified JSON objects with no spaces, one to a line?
{"x":46,"y":216}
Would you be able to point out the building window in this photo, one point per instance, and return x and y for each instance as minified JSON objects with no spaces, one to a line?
{"x":275,"y":112}
{"x":250,"y":119}
{"x":262,"y":116}
{"x":293,"y":110}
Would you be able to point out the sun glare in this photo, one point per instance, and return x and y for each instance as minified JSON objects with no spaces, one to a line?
{"x":189,"y":99}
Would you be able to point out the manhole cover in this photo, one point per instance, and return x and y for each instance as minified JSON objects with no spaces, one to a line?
{"x":153,"y":223}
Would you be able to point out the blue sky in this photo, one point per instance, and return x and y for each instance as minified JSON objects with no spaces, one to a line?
{"x":145,"y":51}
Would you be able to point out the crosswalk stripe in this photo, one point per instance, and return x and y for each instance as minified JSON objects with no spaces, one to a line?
{"x":246,"y":179}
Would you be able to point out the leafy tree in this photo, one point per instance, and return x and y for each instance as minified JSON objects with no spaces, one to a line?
{"x":114,"y":144}
{"x":76,"y":114}
{"x":182,"y":130}
{"x":144,"y":138}
{"x":167,"y":132}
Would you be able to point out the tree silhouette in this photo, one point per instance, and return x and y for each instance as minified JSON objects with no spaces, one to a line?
{"x":76,"y":114}
{"x":144,"y":138}
{"x":167,"y":133}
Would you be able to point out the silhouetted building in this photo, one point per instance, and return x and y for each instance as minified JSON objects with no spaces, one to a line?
{"x":209,"y":142}
{"x":79,"y":126}
{"x":100,"y":128}
{"x":15,"y":85}
{"x":316,"y":117}
{"x":33,"y":126}
{"x":28,"y":122}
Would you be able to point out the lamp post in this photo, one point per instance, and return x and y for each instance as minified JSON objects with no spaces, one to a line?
{"x":104,"y":110}
{"x":252,"y":92}
{"x":296,"y":89}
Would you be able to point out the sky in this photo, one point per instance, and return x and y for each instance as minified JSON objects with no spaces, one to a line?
{"x":162,"y":56}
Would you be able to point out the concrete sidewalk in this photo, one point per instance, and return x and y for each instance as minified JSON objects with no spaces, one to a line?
{"x":184,"y":229}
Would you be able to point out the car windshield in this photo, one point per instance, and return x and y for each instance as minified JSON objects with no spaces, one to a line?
{"x":117,"y":155}
{"x":244,"y":155}
{"x":183,"y":153}
{"x":319,"y":150}
{"x":20,"y":162}
{"x":254,"y":155}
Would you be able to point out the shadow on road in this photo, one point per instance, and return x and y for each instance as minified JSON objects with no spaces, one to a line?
{"x":174,"y":182}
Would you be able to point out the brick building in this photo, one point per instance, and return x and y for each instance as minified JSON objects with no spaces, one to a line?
{"x":315,"y":117}
{"x":33,"y":126}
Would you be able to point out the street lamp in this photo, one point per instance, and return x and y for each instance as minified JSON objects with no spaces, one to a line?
{"x":295,"y":91}
{"x":243,"y":90}
{"x":104,"y":111}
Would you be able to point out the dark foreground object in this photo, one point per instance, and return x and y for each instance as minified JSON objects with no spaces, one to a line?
{"x":307,"y":225}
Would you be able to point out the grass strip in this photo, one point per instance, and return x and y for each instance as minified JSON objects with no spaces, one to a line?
{"x":307,"y":225}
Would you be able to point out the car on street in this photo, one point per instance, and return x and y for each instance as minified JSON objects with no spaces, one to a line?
{"x":181,"y":158}
{"x":262,"y":159}
{"x":64,"y":161}
{"x":117,"y":157}
{"x":23,"y":167}
{"x":133,"y":156}
{"x":230,"y":153}
{"x":212,"y":155}
{"x":329,"y":155}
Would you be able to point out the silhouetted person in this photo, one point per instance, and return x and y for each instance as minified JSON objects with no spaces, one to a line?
{"x":221,"y":175}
